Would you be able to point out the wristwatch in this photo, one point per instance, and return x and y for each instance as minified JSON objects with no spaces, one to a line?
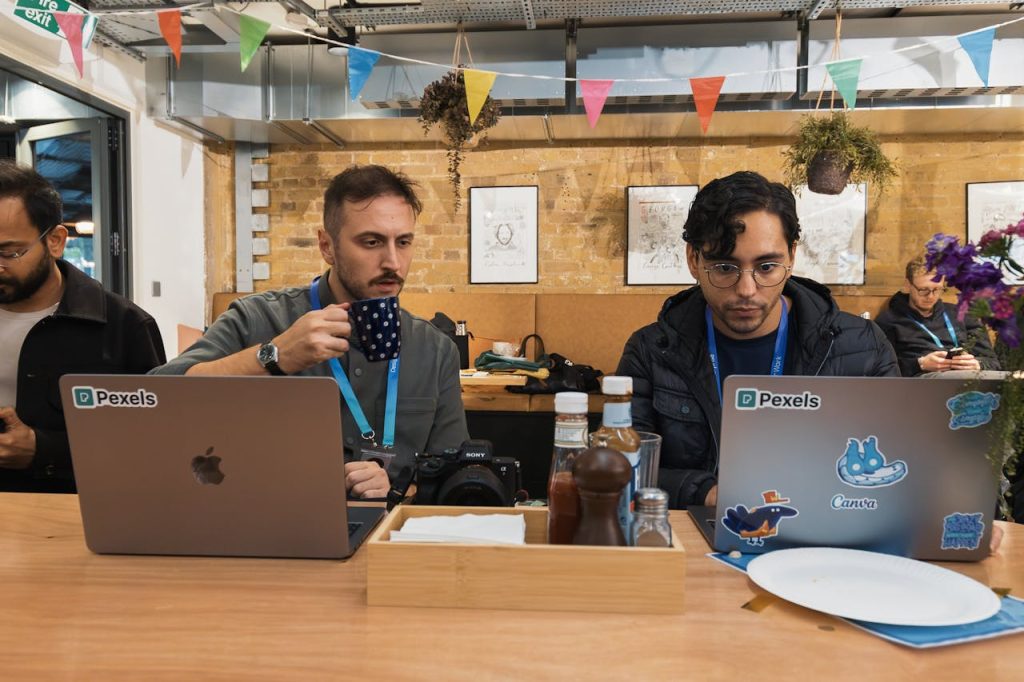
{"x":267,"y":357}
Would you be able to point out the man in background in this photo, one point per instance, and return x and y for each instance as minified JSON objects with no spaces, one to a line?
{"x":54,"y":320}
{"x":747,"y":315}
{"x":925,"y":331}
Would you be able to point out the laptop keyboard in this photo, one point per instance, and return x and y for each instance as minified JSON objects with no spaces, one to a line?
{"x":354,"y":526}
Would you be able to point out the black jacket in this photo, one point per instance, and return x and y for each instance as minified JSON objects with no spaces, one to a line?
{"x":92,"y":331}
{"x":911,"y":342}
{"x":674,"y":391}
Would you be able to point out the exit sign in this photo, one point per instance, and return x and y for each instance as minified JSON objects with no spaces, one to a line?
{"x":39,"y":14}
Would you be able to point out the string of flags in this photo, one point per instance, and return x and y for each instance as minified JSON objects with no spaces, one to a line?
{"x":845,"y":73}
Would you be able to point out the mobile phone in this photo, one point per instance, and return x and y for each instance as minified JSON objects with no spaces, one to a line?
{"x":953,"y":352}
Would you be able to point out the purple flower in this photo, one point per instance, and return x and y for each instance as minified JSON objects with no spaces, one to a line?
{"x":990,"y":237}
{"x":1002,"y":307}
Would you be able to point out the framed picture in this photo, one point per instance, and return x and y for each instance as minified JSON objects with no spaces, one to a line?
{"x":655,"y":250}
{"x":502,"y":235}
{"x":832,"y":235}
{"x":993,"y":206}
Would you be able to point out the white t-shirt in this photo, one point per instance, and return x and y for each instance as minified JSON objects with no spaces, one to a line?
{"x":14,"y":327}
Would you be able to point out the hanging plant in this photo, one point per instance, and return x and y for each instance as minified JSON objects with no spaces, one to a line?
{"x":830,"y":152}
{"x":444,"y":103}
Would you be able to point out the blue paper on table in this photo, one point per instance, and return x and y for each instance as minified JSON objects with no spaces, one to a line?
{"x":1009,"y":620}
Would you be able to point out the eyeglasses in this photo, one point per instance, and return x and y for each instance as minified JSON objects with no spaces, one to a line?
{"x":8,"y":257}
{"x":727,"y":275}
{"x":930,"y":291}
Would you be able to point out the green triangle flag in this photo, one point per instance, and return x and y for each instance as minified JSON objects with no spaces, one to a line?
{"x":845,"y":75}
{"x":253,"y":32}
{"x":478,"y":86}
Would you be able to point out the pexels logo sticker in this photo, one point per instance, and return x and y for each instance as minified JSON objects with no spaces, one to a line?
{"x":756,"y":399}
{"x":89,"y":398}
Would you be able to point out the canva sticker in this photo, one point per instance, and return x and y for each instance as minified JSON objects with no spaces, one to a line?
{"x":962,"y":531}
{"x":863,"y":465}
{"x":971,"y":409}
{"x":757,"y":523}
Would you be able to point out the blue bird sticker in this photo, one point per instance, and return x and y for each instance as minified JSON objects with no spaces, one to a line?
{"x":757,"y":523}
{"x":971,"y":409}
{"x":962,"y":531}
{"x":863,"y":465}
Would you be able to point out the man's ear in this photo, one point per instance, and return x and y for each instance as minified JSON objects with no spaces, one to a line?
{"x":326,"y":245}
{"x":55,"y":240}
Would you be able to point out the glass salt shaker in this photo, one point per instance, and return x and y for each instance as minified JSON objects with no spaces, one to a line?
{"x":650,"y":519}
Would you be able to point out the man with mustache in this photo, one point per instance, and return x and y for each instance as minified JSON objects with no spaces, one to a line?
{"x":54,"y":320}
{"x":748,"y":315}
{"x":367,"y":240}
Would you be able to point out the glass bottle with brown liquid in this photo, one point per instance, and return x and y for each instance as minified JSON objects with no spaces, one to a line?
{"x":617,"y":432}
{"x":570,"y":441}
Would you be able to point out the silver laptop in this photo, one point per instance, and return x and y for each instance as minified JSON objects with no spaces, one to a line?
{"x":223,"y":466}
{"x":885,"y":464}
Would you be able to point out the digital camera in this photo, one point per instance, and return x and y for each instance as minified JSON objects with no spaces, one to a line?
{"x":467,"y":476}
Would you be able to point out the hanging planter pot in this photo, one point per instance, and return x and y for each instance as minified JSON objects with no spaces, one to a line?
{"x":831,"y":152}
{"x":828,"y":173}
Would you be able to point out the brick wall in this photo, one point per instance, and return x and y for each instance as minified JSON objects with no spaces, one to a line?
{"x":582,"y":203}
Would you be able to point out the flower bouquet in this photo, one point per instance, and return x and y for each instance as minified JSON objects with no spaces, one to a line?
{"x":988,"y":280}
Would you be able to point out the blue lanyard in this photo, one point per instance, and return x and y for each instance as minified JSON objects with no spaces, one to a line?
{"x":390,"y":403}
{"x":778,"y":357}
{"x":929,"y":332}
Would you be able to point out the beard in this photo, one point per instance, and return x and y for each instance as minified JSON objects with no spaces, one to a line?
{"x":14,"y":290}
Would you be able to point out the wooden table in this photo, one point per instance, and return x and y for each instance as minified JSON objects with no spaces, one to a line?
{"x":70,"y":614}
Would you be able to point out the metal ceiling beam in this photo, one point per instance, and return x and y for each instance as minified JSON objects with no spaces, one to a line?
{"x":528,"y":14}
{"x":817,"y":8}
{"x":106,"y":40}
{"x":215,"y":21}
{"x":300,"y":7}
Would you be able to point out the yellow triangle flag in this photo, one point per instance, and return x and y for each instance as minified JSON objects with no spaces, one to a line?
{"x":478,"y":86}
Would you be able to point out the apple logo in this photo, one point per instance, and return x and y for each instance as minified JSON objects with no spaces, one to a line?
{"x":206,"y":468}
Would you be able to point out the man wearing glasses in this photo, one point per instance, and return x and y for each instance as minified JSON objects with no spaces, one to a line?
{"x":748,"y":315}
{"x":54,"y":320}
{"x":925,"y":331}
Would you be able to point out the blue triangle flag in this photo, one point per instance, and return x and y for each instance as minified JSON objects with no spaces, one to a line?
{"x":978,"y":47}
{"x":360,"y":64}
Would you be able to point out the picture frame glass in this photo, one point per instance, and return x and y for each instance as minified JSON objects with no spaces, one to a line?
{"x":993,"y":206}
{"x":831,"y":249}
{"x":503,"y":235}
{"x":655,"y":250}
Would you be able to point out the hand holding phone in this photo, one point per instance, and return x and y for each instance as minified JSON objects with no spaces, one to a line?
{"x":953,"y":352}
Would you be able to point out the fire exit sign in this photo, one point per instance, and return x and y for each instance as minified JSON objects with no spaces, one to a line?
{"x":39,"y":14}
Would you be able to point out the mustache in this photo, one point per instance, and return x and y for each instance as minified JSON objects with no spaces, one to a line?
{"x":388,"y":277}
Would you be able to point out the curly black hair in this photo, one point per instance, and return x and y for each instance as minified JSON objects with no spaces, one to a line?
{"x":712,"y":225}
{"x":41,"y":200}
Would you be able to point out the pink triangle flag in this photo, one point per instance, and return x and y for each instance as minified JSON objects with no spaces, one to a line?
{"x":705,"y":98}
{"x":594,"y":95}
{"x":71,"y":26}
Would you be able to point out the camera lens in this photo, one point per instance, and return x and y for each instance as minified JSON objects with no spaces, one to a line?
{"x":475,"y":486}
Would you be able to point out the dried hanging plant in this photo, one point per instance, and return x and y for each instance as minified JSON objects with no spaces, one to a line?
{"x":444,"y":103}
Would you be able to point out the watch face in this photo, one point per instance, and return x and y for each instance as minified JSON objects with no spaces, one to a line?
{"x":267,"y":353}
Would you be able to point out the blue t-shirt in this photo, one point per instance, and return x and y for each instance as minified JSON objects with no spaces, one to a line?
{"x":751,"y":356}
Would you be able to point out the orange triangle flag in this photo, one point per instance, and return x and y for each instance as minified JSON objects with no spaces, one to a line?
{"x":71,"y":26}
{"x":170,"y":29}
{"x":705,"y":97}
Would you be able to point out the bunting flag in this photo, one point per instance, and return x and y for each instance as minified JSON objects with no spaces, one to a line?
{"x":170,"y":29}
{"x":253,"y":32}
{"x":705,"y":98}
{"x":846,"y":75}
{"x":978,"y":47}
{"x":594,"y":95}
{"x":360,"y":64}
{"x":71,"y":26}
{"x":478,"y":86}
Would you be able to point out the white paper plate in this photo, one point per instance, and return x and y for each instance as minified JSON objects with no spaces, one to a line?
{"x":878,"y":588}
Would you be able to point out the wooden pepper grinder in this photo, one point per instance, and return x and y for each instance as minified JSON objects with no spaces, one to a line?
{"x":600,"y":475}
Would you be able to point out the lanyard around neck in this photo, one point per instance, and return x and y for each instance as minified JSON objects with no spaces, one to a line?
{"x":929,"y":332}
{"x":778,"y":356}
{"x":390,"y":403}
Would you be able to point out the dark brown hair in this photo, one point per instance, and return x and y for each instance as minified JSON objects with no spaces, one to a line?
{"x":359,"y":183}
{"x":41,"y":200}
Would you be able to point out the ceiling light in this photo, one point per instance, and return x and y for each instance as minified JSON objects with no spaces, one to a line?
{"x":85,"y":227}
{"x":341,"y":43}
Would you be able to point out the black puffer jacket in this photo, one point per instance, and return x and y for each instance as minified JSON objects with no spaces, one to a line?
{"x":674,"y":390}
{"x":911,"y":342}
